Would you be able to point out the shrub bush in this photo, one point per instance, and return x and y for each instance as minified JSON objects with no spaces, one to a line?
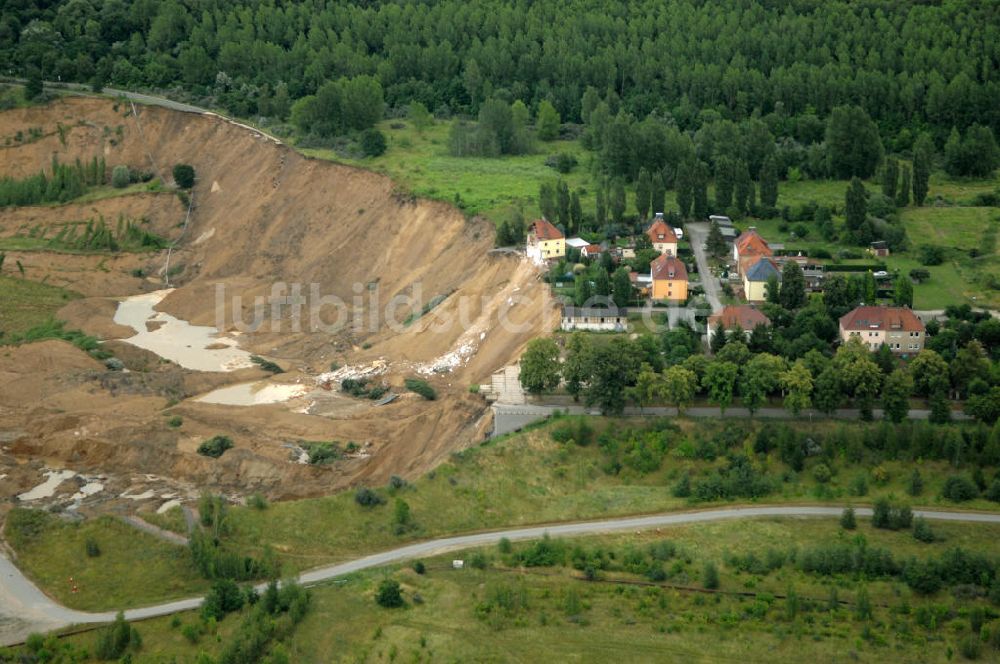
{"x":215,"y":446}
{"x":562,"y":162}
{"x":389,"y":594}
{"x":223,"y":597}
{"x":367,"y":498}
{"x":959,"y":489}
{"x":373,"y":143}
{"x":120,"y":177}
{"x":116,"y":639}
{"x":184,"y":175}
{"x":847,"y":519}
{"x":266,"y":365}
{"x":421,"y":387}
{"x":257,"y":501}
{"x":710,"y":576}
{"x":93,"y":550}
{"x":922,"y":530}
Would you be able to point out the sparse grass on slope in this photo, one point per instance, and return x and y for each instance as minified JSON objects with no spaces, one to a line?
{"x":26,"y":304}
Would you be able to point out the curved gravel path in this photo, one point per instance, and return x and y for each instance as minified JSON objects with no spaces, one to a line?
{"x":24,"y":608}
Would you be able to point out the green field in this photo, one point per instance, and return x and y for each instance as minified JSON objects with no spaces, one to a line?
{"x":529,"y":478}
{"x":26,"y":304}
{"x":132,"y":569}
{"x":488,"y":186}
{"x":494,"y":611}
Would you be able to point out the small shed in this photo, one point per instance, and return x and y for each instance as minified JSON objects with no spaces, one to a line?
{"x":879,"y":248}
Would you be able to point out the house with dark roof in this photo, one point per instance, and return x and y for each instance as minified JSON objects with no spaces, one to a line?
{"x":670,"y":279}
{"x":756,"y":276}
{"x":594,"y":319}
{"x":743,"y":317}
{"x":896,"y":327}
{"x":879,"y":248}
{"x":545,"y":241}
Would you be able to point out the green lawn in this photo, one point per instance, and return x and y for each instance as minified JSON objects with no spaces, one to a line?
{"x":133,"y":568}
{"x":953,"y":227}
{"x":499,"y":613}
{"x":25,"y":304}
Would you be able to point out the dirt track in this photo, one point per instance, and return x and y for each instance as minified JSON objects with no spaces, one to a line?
{"x":263,"y":214}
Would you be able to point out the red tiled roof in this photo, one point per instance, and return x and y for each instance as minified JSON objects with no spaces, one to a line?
{"x":881,"y":318}
{"x":544,"y":230}
{"x":742,"y":316}
{"x":666,"y":267}
{"x":661,"y":232}
{"x":592,"y":249}
{"x":751,"y":243}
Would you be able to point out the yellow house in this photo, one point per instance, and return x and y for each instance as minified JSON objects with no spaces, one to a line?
{"x":755,"y":279}
{"x":545,"y":242}
{"x":670,"y":278}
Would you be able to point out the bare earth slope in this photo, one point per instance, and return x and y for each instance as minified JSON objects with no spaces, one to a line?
{"x":263,"y":214}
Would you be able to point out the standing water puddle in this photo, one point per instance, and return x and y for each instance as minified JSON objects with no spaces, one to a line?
{"x":176,"y":339}
{"x":253,"y":394}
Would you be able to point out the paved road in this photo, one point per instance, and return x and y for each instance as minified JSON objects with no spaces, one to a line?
{"x":698,"y":235}
{"x":511,"y":417}
{"x":19,"y":598}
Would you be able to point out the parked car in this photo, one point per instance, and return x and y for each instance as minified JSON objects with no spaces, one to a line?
{"x":679,"y":232}
{"x":881,"y":274}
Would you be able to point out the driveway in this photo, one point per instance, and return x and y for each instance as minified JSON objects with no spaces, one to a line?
{"x":698,"y":236}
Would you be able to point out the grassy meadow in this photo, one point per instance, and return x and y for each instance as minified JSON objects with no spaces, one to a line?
{"x":131,"y":568}
{"x":498,"y":612}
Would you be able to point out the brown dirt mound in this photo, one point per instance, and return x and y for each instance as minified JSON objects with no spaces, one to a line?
{"x":264,"y":214}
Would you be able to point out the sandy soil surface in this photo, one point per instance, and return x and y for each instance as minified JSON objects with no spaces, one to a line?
{"x":262,"y":214}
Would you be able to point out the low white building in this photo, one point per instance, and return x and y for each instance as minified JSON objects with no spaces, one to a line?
{"x":593,"y":319}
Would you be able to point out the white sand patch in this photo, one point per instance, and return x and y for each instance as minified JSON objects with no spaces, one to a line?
{"x":47,"y":489}
{"x":88,"y":489}
{"x":207,"y":235}
{"x":254,"y":394}
{"x":167,"y":506}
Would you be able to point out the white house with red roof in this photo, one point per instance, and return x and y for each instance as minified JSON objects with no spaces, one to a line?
{"x":662,"y":236}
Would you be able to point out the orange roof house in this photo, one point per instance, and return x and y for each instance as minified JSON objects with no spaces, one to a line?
{"x":743,"y":317}
{"x":749,"y":244}
{"x":670,"y":279}
{"x":663,"y":238}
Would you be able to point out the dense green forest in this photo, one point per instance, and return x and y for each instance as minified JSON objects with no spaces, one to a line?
{"x":909,"y":65}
